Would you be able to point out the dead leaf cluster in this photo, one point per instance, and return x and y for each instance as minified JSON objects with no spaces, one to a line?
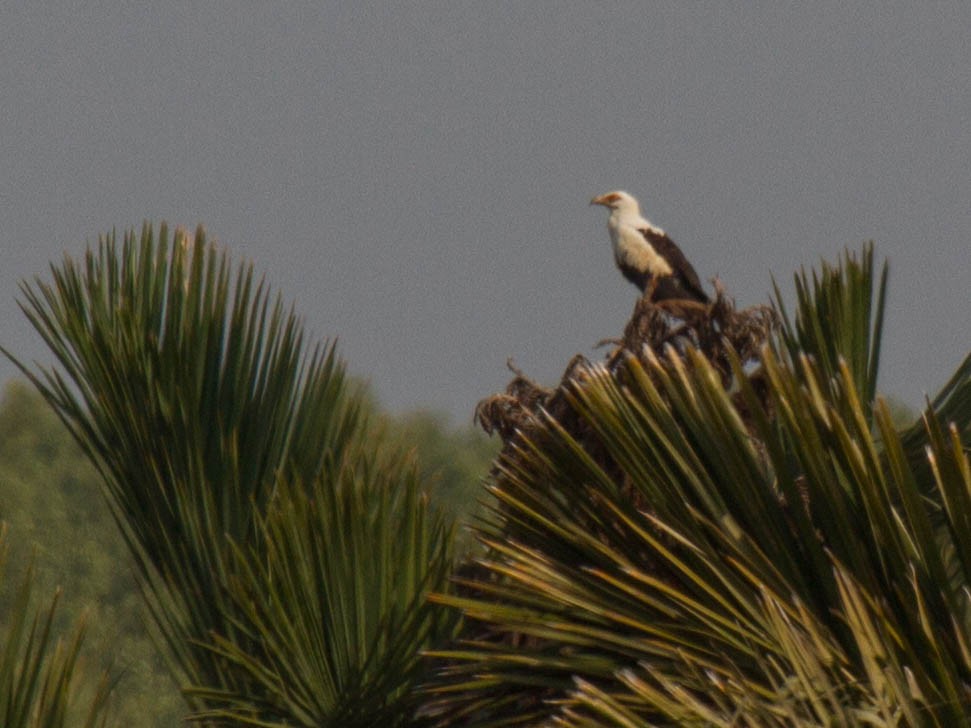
{"x":654,"y":328}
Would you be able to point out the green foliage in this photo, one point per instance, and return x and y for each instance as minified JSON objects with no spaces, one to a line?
{"x":335,"y":595}
{"x":43,"y":473}
{"x":453,"y":463}
{"x":839,"y":321}
{"x":195,"y":397}
{"x":39,"y":676}
{"x":780,"y":555}
{"x":50,"y":498}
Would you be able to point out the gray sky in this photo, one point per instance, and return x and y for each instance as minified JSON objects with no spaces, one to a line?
{"x":416,"y":178}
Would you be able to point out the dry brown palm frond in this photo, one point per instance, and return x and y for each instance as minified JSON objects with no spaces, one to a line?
{"x":716,"y":330}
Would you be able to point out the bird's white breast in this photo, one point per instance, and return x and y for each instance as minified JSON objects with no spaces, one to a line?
{"x":631,"y":249}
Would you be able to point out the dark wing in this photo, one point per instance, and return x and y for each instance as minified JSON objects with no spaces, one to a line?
{"x":639,"y":278}
{"x":682,"y":269}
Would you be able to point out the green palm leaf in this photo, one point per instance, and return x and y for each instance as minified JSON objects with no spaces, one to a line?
{"x":838,"y":319}
{"x":338,"y":601}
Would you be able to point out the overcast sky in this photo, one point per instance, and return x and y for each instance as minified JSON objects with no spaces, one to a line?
{"x":416,"y":177}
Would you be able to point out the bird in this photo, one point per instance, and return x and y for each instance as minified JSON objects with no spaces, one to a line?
{"x":645,"y":255}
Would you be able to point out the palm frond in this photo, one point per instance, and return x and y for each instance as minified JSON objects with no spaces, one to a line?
{"x":838,"y":319}
{"x":335,"y":595}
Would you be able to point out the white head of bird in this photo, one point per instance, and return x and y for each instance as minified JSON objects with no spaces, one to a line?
{"x":624,"y":210}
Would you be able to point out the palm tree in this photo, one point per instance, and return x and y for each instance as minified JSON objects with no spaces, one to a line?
{"x":690,"y":535}
{"x":283,"y":552}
